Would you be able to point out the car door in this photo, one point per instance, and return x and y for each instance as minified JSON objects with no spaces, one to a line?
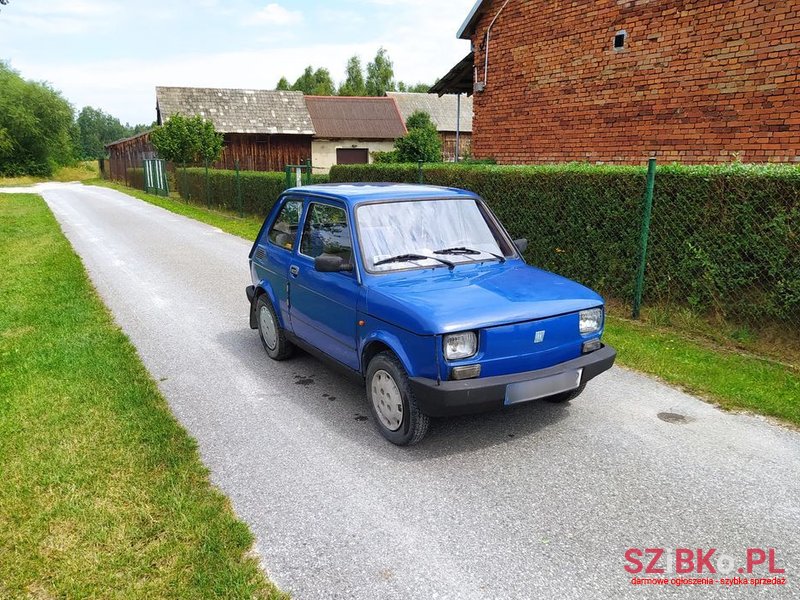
{"x":323,"y":305}
{"x":273,"y":254}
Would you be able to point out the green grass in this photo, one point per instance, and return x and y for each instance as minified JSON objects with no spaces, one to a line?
{"x":102,"y":493}
{"x":722,"y":375}
{"x":246,"y":227}
{"x":88,"y":169}
{"x":734,"y":381}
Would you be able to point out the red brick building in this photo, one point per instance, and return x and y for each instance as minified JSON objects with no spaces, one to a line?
{"x":695,"y":81}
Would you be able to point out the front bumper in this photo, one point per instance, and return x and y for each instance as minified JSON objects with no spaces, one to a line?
{"x":448,"y":398}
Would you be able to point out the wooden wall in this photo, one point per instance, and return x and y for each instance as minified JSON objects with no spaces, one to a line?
{"x":449,"y":145}
{"x":264,"y":152}
{"x":127,"y":154}
{"x":255,"y":152}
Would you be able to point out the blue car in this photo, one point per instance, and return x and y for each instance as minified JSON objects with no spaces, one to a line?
{"x":420,"y":293}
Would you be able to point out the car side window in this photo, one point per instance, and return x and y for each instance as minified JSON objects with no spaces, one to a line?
{"x":284,"y":230}
{"x":326,"y":232}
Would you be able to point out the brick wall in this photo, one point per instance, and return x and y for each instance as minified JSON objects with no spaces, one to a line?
{"x":698,"y":81}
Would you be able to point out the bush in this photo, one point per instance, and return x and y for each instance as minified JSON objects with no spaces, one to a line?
{"x":136,"y":178}
{"x":724,"y":240}
{"x":36,"y":127}
{"x":260,"y":189}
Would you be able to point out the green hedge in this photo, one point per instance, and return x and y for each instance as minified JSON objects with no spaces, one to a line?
{"x":136,"y":178}
{"x":724,"y":239}
{"x":259,"y":189}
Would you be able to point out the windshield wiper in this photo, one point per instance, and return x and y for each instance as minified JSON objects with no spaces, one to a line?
{"x":411,"y":257}
{"x":462,"y":251}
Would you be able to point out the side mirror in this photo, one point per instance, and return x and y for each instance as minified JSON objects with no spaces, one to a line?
{"x":331,"y":264}
{"x":521,"y":244}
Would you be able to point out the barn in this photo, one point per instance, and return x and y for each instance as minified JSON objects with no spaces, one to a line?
{"x":263,"y":130}
{"x":705,"y":81}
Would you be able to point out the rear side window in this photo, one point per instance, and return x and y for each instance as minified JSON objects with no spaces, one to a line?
{"x":284,"y":230}
{"x":326,"y":233}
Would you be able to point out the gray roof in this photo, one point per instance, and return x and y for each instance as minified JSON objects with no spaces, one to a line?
{"x":468,"y":26}
{"x":238,"y":111}
{"x":442,"y":109}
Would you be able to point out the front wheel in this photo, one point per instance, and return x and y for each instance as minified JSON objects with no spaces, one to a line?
{"x":392,"y":402}
{"x":270,"y":332}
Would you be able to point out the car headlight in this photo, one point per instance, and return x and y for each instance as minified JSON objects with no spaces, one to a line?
{"x":460,"y":345}
{"x":591,"y":320}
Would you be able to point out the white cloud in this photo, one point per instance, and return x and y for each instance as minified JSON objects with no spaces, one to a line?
{"x":420,"y":37}
{"x":275,"y":14}
{"x":53,"y":17}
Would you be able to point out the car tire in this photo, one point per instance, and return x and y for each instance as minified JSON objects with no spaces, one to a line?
{"x":566,"y":396}
{"x":392,"y":402}
{"x":272,"y":335}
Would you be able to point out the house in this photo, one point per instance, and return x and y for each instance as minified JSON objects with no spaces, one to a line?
{"x":349,"y":129}
{"x":452,"y":116}
{"x":618,"y":81}
{"x":263,"y":130}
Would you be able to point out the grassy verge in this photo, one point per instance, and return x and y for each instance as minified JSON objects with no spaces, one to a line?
{"x":731,"y":379}
{"x":246,"y":227}
{"x":82,"y":171}
{"x":734,"y":381}
{"x":102,"y":493}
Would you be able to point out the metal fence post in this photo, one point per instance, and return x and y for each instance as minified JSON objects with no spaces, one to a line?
{"x":185,"y":190}
{"x":208,"y":191}
{"x":420,"y":176}
{"x":646,"y":217}
{"x":308,"y":171}
{"x":238,"y":188}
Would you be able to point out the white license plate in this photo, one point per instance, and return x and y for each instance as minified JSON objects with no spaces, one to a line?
{"x":524,"y":391}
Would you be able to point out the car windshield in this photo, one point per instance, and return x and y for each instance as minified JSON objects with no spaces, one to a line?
{"x":425,"y":233}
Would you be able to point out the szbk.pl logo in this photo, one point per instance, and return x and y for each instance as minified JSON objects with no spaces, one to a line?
{"x":699,"y":566}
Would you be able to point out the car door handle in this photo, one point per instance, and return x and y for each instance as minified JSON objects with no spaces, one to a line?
{"x":294,"y":270}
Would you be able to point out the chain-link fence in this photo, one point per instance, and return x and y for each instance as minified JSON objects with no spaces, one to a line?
{"x":232,"y":190}
{"x":722,"y":242}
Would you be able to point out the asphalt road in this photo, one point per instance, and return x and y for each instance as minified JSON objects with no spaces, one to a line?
{"x":539,"y":501}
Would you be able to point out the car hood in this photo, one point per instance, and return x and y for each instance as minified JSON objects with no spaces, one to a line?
{"x":441,"y":301}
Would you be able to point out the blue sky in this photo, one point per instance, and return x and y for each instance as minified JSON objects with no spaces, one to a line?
{"x":112,"y":54}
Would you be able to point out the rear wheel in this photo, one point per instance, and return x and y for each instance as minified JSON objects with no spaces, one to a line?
{"x":566,"y":396}
{"x":392,"y":402}
{"x":270,"y":332}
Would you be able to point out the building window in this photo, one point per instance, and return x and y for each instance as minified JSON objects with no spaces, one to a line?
{"x":619,"y":40}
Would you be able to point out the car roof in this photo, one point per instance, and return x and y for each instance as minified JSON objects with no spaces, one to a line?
{"x":356,"y":193}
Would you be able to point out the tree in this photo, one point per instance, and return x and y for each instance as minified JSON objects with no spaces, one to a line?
{"x":419,"y":119}
{"x":354,"y":82}
{"x":315,"y":83}
{"x":380,"y":74}
{"x":36,"y":126}
{"x":422,"y":141}
{"x":283,"y":85}
{"x":187,"y":140}
{"x":95,"y":130}
{"x":417,"y":88}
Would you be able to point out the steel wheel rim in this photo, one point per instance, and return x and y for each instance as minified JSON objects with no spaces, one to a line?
{"x":268,"y":330}
{"x":387,"y":400}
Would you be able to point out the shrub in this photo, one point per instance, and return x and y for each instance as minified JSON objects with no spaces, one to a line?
{"x":136,"y":178}
{"x":260,"y":189}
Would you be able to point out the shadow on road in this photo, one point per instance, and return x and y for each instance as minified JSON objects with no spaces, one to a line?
{"x":326,"y":394}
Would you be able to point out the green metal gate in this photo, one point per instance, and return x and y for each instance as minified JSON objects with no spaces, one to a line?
{"x":155,"y":177}
{"x":298,"y":175}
